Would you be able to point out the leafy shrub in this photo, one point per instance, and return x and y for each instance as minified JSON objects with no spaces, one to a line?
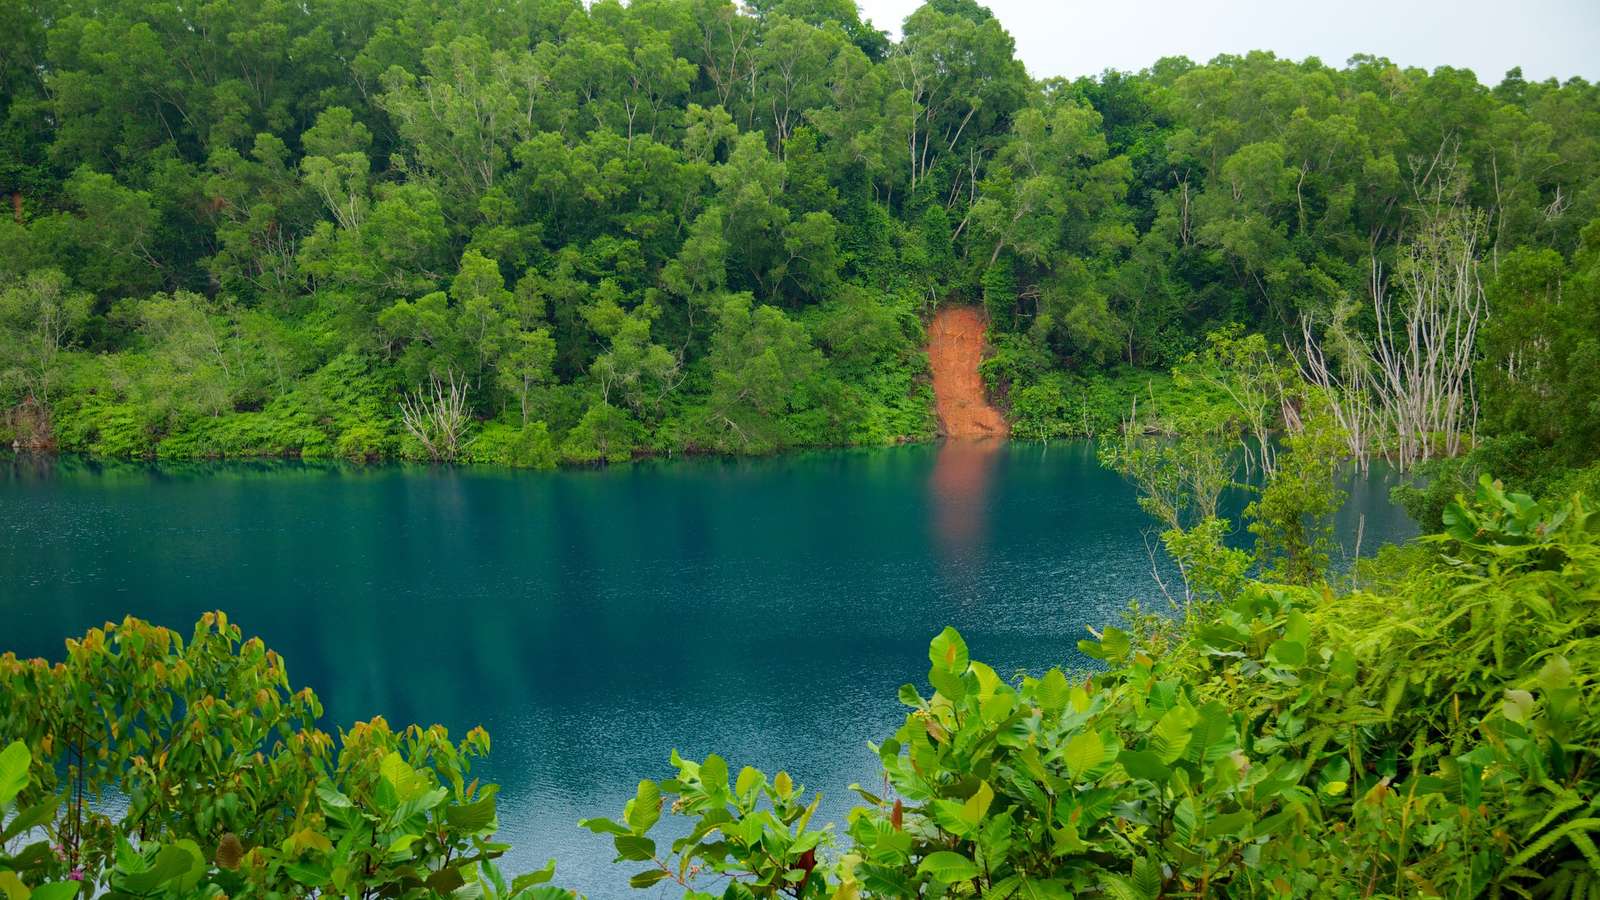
{"x":365,"y":443}
{"x":231,"y":788}
{"x":524,"y":446}
{"x":1435,"y":740}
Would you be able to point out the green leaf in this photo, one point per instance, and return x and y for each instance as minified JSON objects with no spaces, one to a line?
{"x":1287,"y":653}
{"x":32,"y":817}
{"x":910,"y":697}
{"x":603,"y":826}
{"x":635,"y":847}
{"x":1084,"y":751}
{"x":1297,"y":628}
{"x":1144,"y":764}
{"x":1171,"y":735}
{"x":977,"y":806}
{"x":331,"y":798}
{"x":529,"y":879}
{"x":749,"y":781}
{"x":14,"y":760}
{"x":645,"y":808}
{"x":948,"y":867}
{"x":714,"y":773}
{"x":648,"y":877}
{"x":1052,"y":691}
{"x":170,"y":864}
{"x":12,"y":886}
{"x":61,"y":890}
{"x":408,"y":784}
{"x":1147,"y":877}
{"x":445,"y":880}
{"x":472,"y":817}
{"x":1113,"y":647}
{"x":1213,"y":734}
{"x":1518,"y":706}
{"x":1555,"y":674}
{"x":949,"y":684}
{"x":1230,"y":824}
{"x":948,"y":652}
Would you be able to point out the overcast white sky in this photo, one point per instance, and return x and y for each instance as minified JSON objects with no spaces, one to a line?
{"x":1559,"y":38}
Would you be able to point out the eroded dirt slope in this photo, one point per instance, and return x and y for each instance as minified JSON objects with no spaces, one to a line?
{"x":955,"y":347}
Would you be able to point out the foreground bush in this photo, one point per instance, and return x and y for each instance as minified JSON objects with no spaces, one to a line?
{"x":1435,"y":737}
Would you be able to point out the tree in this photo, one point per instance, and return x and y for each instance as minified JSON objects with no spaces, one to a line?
{"x":526,"y":366}
{"x":39,"y":316}
{"x":761,"y":365}
{"x":437,"y":416}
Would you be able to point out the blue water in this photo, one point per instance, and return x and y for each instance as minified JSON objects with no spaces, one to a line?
{"x":595,"y":620}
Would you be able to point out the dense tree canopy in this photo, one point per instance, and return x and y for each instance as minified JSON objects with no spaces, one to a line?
{"x":685,"y":224}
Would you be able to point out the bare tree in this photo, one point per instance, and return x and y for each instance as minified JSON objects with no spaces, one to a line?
{"x":438,"y":416}
{"x":1408,"y":390}
{"x":1424,"y":361}
{"x":1345,"y":381}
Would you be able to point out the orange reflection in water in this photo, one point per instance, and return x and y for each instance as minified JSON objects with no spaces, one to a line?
{"x":960,"y":492}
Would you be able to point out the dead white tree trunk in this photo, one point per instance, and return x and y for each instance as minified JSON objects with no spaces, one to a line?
{"x":1424,"y":360}
{"x":1408,"y":390}
{"x":438,"y":417}
{"x":1345,"y":382}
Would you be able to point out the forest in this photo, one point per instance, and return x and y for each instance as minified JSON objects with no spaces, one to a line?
{"x":545,"y":232}
{"x":541,"y":232}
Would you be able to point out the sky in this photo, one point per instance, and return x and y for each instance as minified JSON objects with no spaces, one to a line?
{"x":1547,"y":38}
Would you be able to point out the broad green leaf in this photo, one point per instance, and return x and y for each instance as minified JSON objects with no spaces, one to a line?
{"x":948,"y":652}
{"x":529,"y":879}
{"x":60,"y":890}
{"x":714,"y":773}
{"x":32,"y":817}
{"x":634,"y":847}
{"x":749,"y":781}
{"x":12,"y":886}
{"x":1555,"y":674}
{"x":648,"y":877}
{"x":950,"y":684}
{"x":1287,"y":653}
{"x":1144,"y":764}
{"x":1235,"y":824}
{"x":645,"y":809}
{"x":1213,"y":734}
{"x":910,"y":697}
{"x":331,"y":798}
{"x":1171,"y":735}
{"x":307,"y":839}
{"x":14,"y":760}
{"x":948,"y":867}
{"x":1147,"y":877}
{"x":170,"y":864}
{"x":1084,"y":751}
{"x":1297,"y":628}
{"x":1114,"y":644}
{"x":1051,"y":691}
{"x":603,"y":826}
{"x":408,"y":784}
{"x":445,"y":880}
{"x":1517,"y":706}
{"x":977,"y":806}
{"x":472,"y":817}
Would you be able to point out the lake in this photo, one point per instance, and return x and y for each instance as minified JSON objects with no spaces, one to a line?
{"x":595,"y":620}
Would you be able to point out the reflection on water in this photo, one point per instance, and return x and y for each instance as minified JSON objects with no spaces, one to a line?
{"x":593,"y":621}
{"x":959,"y":488}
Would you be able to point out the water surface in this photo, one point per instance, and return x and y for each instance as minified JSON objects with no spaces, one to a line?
{"x":595,"y":620}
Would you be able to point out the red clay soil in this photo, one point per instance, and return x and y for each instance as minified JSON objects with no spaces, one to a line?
{"x":955,"y":347}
